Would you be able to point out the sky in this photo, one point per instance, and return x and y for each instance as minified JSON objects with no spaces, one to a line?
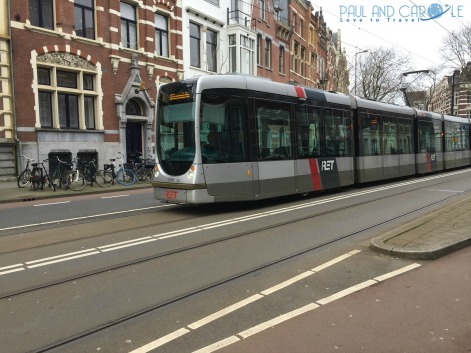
{"x":368,"y":24}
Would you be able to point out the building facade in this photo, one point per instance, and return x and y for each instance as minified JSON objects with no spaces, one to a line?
{"x":86,"y":72}
{"x":452,"y":96}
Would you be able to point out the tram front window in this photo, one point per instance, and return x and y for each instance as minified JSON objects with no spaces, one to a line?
{"x":176,"y":128}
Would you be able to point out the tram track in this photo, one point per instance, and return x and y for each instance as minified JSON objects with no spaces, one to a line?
{"x":230,"y":237}
{"x":222,"y":281}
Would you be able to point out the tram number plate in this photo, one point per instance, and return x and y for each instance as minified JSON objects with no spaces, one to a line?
{"x":171,"y":194}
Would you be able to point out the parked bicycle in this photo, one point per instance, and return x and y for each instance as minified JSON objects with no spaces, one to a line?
{"x":59,"y":177}
{"x":40,"y":177}
{"x":123,"y":176}
{"x":75,"y":179}
{"x":91,"y":173}
{"x":25,"y":177}
{"x":143,"y":173}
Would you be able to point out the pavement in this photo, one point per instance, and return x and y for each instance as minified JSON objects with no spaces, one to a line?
{"x":426,"y":238}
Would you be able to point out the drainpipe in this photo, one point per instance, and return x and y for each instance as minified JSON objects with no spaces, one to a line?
{"x":19,"y":148}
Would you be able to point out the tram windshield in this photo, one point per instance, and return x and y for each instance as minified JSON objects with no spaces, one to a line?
{"x":175,"y":138}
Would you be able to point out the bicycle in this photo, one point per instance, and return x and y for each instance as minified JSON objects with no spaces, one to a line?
{"x":143,"y":174}
{"x":59,"y":177}
{"x":40,"y":177}
{"x":91,"y":173}
{"x":123,"y":176}
{"x":25,"y":177}
{"x":75,"y":179}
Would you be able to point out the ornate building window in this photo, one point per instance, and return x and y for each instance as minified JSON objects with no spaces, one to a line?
{"x":67,"y":92}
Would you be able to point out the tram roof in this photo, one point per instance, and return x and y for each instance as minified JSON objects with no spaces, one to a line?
{"x":457,"y":119}
{"x":430,"y":115}
{"x":259,"y":84}
{"x":375,"y":105}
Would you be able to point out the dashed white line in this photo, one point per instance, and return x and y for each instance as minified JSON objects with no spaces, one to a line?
{"x":239,"y":305}
{"x":51,"y":203}
{"x":113,"y":197}
{"x":84,"y":217}
{"x":161,"y":341}
{"x":278,"y":320}
{"x":292,"y":314}
{"x":225,"y":311}
{"x":346,"y":292}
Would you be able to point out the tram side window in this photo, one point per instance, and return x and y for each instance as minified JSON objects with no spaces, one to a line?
{"x":404,"y":138}
{"x":456,"y":136}
{"x":426,"y":137}
{"x":274,"y":130}
{"x":390,"y":139}
{"x":223,"y":128}
{"x":308,"y":128}
{"x":370,"y":133}
{"x":337,"y":133}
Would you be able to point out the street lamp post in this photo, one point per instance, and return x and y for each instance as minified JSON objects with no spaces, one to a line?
{"x":359,"y":52}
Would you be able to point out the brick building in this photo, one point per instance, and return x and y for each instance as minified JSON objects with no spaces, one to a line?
{"x":86,"y":73}
{"x":452,"y":86}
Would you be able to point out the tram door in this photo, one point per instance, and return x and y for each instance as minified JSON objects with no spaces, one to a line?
{"x":276,"y":165}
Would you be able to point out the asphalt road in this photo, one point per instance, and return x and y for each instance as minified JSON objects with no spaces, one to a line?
{"x":179,"y":279}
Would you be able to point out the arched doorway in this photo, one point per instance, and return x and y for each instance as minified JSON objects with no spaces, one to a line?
{"x":134,"y":125}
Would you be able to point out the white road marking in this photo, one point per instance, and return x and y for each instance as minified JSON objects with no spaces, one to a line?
{"x":239,"y":305}
{"x":10,"y":269}
{"x":218,"y":345}
{"x":346,"y":292}
{"x":397,"y":272}
{"x":292,"y":314}
{"x":52,"y":203}
{"x":278,"y":320}
{"x":84,"y":217}
{"x":225,"y":311}
{"x":442,"y":190}
{"x":112,"y":197}
{"x":161,"y":341}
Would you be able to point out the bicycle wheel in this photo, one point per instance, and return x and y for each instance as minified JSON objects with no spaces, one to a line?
{"x":75,"y":180}
{"x":150,"y":173}
{"x":125,"y":177}
{"x":142,"y":175}
{"x":24,"y":178}
{"x":49,"y":182}
{"x":104,"y":178}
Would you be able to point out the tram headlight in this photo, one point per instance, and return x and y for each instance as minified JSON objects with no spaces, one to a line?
{"x":191,"y":172}
{"x":156,"y":171}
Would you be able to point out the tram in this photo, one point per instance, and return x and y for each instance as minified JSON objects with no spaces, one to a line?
{"x":222,"y":138}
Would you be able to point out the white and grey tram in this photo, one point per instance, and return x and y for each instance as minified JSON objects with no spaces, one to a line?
{"x":226,"y":138}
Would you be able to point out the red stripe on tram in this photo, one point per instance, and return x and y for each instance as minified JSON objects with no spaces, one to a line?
{"x":300,"y":92}
{"x":315,"y":176}
{"x":429,"y":162}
